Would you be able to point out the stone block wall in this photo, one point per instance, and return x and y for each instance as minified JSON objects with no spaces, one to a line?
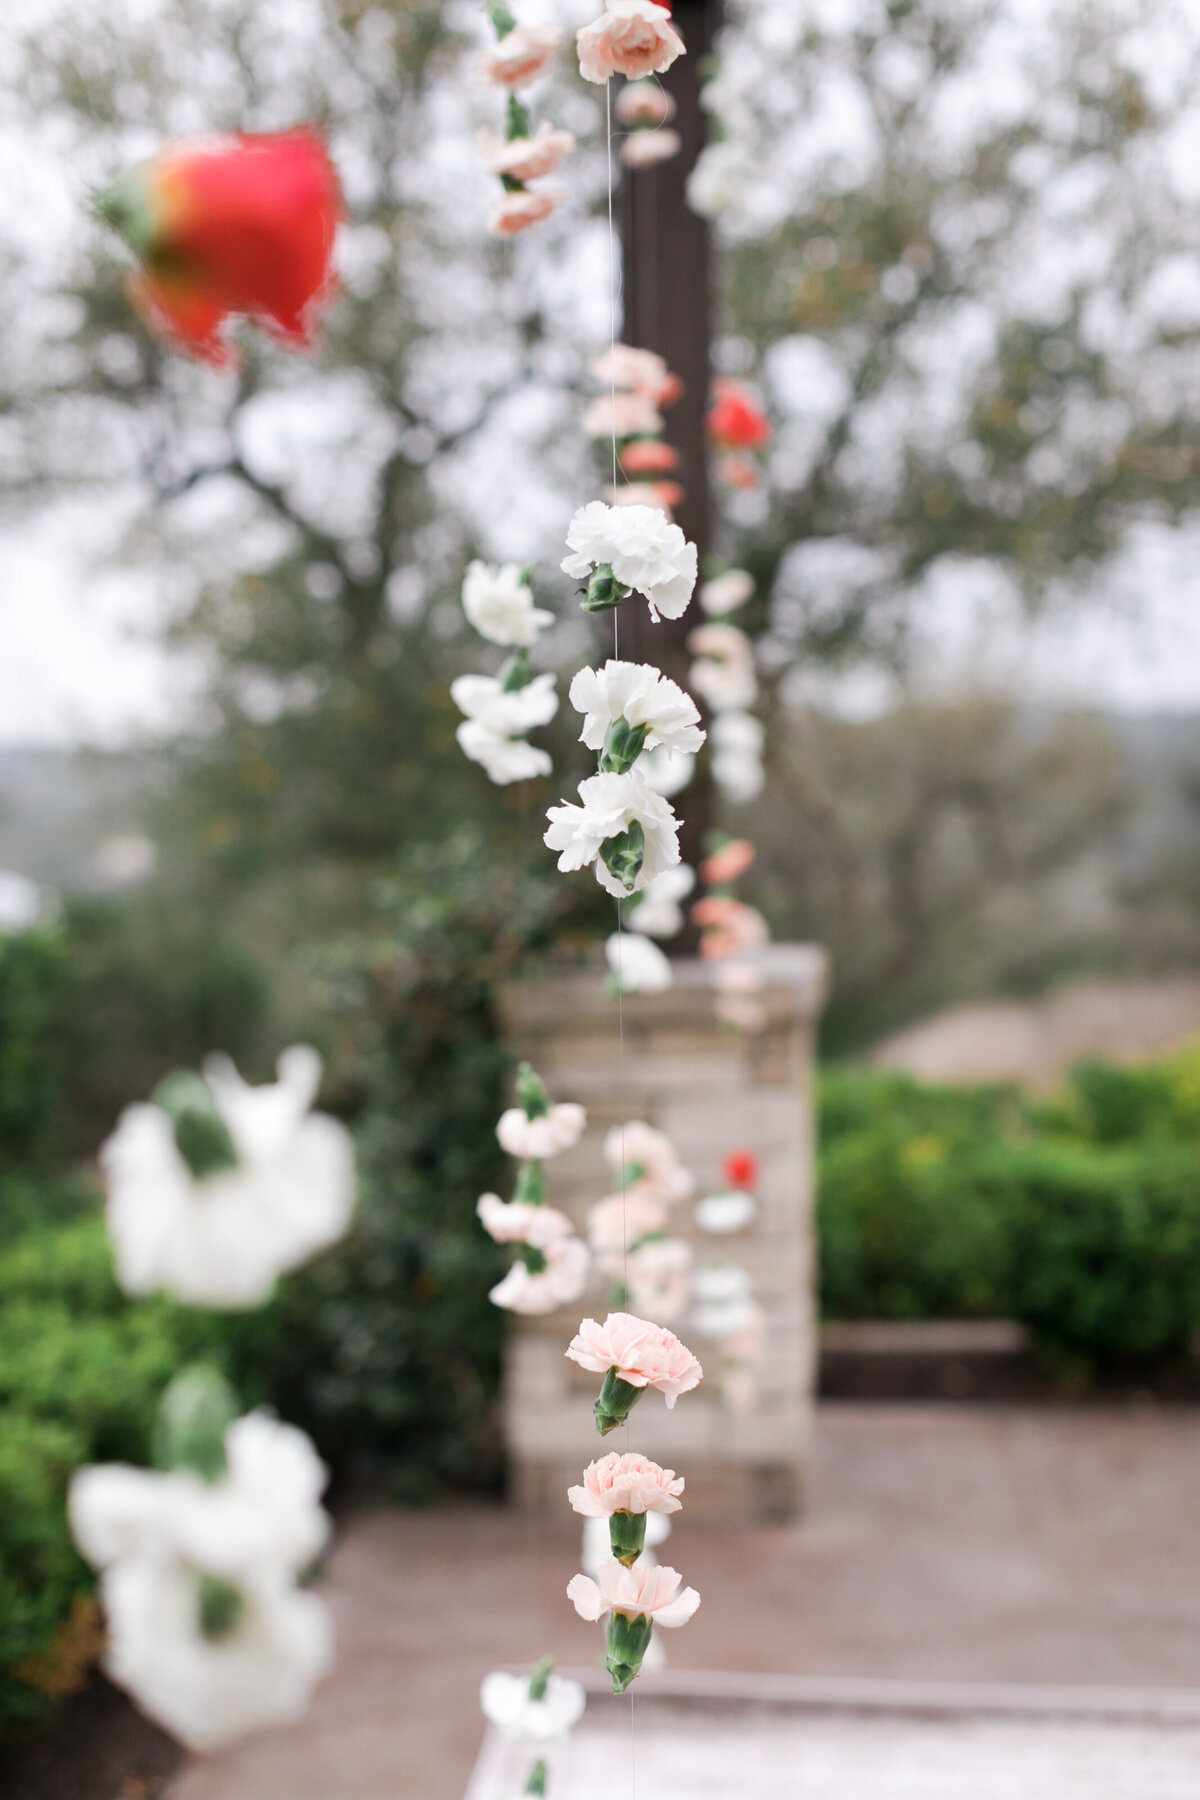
{"x":712,"y":1089}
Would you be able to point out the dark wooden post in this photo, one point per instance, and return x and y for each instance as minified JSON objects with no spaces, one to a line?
{"x":668,"y":307}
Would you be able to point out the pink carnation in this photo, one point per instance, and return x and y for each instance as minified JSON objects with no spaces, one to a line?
{"x":622,"y":1220}
{"x":663,"y":1176}
{"x":632,"y":37}
{"x":728,"y":863}
{"x":658,"y":1278}
{"x":641,"y":1592}
{"x":563,"y":1279}
{"x":537,"y":1226}
{"x":645,"y":149}
{"x":629,"y":1483}
{"x":638,"y":372}
{"x":528,"y":159}
{"x":536,"y":1140}
{"x":646,"y":456}
{"x":729,"y":927}
{"x":643,"y":1355}
{"x":517,"y":211}
{"x":522,"y":55}
{"x":644,"y":103}
{"x":665,"y":496}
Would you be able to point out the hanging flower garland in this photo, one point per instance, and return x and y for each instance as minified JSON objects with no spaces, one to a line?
{"x":500,"y":710}
{"x":737,"y":427}
{"x":551,"y":1263}
{"x":521,"y":55}
{"x":539,"y":1708}
{"x":638,"y":386}
{"x":646,"y":111}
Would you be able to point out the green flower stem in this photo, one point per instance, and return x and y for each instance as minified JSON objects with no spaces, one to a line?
{"x":201,"y":1135}
{"x":534,"y":1260}
{"x":530,"y":1189}
{"x":501,"y":18}
{"x":627,"y":1536}
{"x":617,"y":1400}
{"x":515,"y":673}
{"x":539,"y":1776}
{"x":628,"y":1641}
{"x":518,"y":119}
{"x":539,"y":1679}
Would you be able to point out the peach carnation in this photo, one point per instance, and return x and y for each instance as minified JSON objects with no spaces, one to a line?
{"x":657,"y":1171}
{"x":522,"y":55}
{"x":535,"y":1292}
{"x":623,"y":1220}
{"x":638,"y":1354}
{"x":629,"y":1483}
{"x":664,"y":496}
{"x":638,"y":1593}
{"x":729,"y":928}
{"x":649,"y":456}
{"x":644,"y":103}
{"x":657,"y":1278}
{"x":528,"y":159}
{"x":623,"y":415}
{"x":728,"y":863}
{"x":516,"y":212}
{"x":633,"y":38}
{"x":537,"y":1140}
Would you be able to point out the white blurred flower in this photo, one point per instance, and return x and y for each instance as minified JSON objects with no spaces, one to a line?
{"x":659,"y":1173}
{"x":668,"y":772}
{"x":721,"y":1214}
{"x":723,"y":1302}
{"x":547,"y":1135}
{"x":637,"y":965}
{"x":222,"y":1239}
{"x":658,"y":912}
{"x":737,"y":769}
{"x":642,"y":547}
{"x":642,"y":696}
{"x":727,"y":593}
{"x":724,"y":672}
{"x":723,"y":175}
{"x":22,"y":901}
{"x":499,"y":604}
{"x":611,"y":805}
{"x":539,"y":1291}
{"x":657,"y":1277}
{"x":646,"y":149}
{"x":506,"y":1704}
{"x":167,"y":1545}
{"x":496,"y":721}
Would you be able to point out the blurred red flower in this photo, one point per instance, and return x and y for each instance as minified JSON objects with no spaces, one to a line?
{"x":740,"y":1169}
{"x":227,"y":226}
{"x":736,"y":421}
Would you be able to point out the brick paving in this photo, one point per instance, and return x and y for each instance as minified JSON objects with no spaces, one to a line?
{"x":1048,"y":1545}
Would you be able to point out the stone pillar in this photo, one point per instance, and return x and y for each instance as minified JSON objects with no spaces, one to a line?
{"x":712,"y":1089}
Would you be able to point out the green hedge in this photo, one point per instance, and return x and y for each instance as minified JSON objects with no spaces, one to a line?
{"x":1079,"y":1217}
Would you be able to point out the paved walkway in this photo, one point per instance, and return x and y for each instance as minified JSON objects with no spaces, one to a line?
{"x":964,"y":1544}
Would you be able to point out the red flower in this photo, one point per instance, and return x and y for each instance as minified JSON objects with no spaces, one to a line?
{"x":232,"y":225}
{"x":741,"y":1170}
{"x":736,"y":421}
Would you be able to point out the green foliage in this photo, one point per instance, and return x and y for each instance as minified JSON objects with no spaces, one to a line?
{"x":1080,"y":1216}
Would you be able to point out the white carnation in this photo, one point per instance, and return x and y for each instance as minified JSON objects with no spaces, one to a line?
{"x":500,"y":606}
{"x":642,"y":547}
{"x":611,"y":804}
{"x":724,"y":674}
{"x":727,"y":593}
{"x":658,"y":912}
{"x":538,"y":1139}
{"x":224,"y":1238}
{"x":641,"y":695}
{"x":496,"y":721}
{"x":737,"y":743}
{"x":506,"y":1703}
{"x":637,"y":964}
{"x":503,"y":759}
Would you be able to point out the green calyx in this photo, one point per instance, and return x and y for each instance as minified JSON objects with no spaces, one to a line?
{"x":530,"y":1188}
{"x":628,"y":1641}
{"x":501,"y":18}
{"x":539,"y":1679}
{"x":627,"y":1536}
{"x":127,"y":208}
{"x":531,"y":1092}
{"x":539,"y":1777}
{"x":604,"y":591}
{"x":201,"y":1134}
{"x":518,"y":119}
{"x":194,"y":1413}
{"x":623,"y":744}
{"x":631,"y":1174}
{"x":625,"y":855}
{"x":515,"y":673}
{"x":617,"y":1400}
{"x":220,"y":1606}
{"x":533,"y":1259}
